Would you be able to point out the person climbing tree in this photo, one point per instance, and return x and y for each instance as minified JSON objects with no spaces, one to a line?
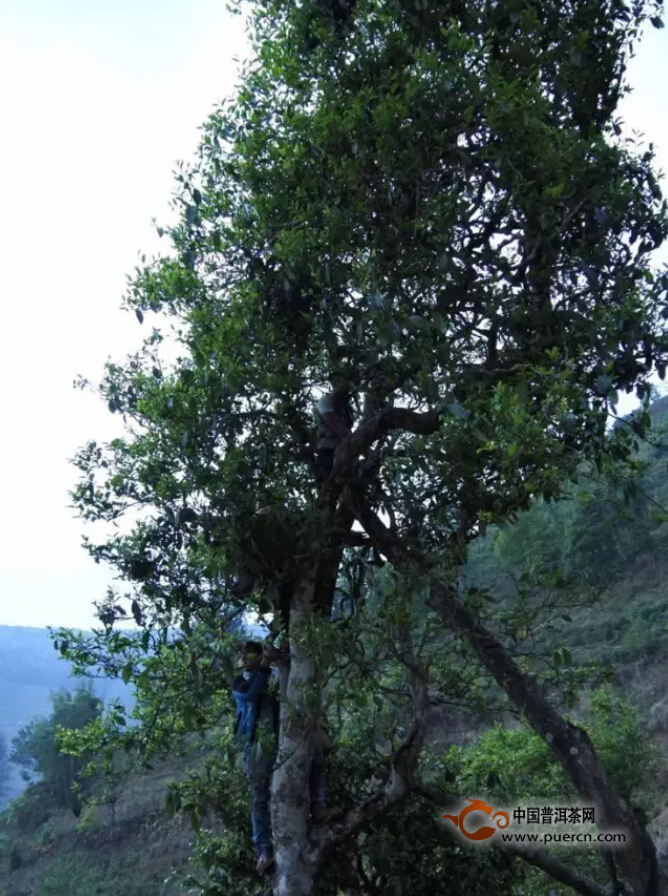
{"x":256,"y":698}
{"x":257,"y":722}
{"x":334,"y":418}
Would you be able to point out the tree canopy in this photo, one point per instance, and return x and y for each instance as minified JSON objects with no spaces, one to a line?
{"x":439,"y":201}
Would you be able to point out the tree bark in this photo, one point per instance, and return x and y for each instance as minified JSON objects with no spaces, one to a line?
{"x":296,"y":859}
{"x":330,"y":560}
{"x":299,"y":851}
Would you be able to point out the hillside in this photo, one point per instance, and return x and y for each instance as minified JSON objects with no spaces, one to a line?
{"x":52,"y":853}
{"x":617,"y":546}
{"x":30,"y":669}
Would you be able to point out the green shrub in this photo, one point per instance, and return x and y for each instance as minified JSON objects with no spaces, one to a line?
{"x":89,"y":821}
{"x":621,"y":741}
{"x":514,"y":764}
{"x":31,"y":809}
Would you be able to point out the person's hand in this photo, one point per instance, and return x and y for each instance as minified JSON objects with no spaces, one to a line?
{"x":272,"y":655}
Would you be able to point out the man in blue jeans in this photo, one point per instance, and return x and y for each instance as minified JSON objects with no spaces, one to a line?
{"x":257,"y":729}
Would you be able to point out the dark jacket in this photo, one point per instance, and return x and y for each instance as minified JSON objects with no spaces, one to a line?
{"x":328,"y":440}
{"x":253,"y":698}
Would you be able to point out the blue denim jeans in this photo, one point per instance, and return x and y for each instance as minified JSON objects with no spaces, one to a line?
{"x":259,"y":764}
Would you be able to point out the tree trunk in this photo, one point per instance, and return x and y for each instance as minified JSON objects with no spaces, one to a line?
{"x":571,"y":744}
{"x":296,"y":860}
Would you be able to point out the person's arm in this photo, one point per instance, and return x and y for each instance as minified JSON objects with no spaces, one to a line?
{"x":256,"y":686}
{"x":277,"y":656}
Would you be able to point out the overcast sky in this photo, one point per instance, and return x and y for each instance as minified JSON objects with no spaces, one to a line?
{"x":98,"y":101}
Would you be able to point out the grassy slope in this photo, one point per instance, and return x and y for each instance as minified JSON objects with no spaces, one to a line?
{"x":90,"y":856}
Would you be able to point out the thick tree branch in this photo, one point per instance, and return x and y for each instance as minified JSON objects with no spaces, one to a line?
{"x":397,"y":789}
{"x":357,"y":540}
{"x":568,"y":742}
{"x":366,"y":434}
{"x":539,"y":858}
{"x":330,"y":559}
{"x":404,"y":761}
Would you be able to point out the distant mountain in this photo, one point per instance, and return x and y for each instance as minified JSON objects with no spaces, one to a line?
{"x":30,"y":669}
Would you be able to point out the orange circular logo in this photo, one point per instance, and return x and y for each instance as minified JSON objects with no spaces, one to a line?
{"x":483,"y":833}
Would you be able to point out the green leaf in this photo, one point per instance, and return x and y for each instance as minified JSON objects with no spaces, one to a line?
{"x":554,"y":192}
{"x":657,"y":22}
{"x":126,"y":674}
{"x":140,"y":316}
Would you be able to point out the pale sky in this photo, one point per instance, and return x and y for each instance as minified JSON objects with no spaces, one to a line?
{"x":99,"y":99}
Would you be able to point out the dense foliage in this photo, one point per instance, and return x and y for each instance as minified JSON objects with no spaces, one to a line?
{"x":437,"y":200}
{"x":607,"y":524}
